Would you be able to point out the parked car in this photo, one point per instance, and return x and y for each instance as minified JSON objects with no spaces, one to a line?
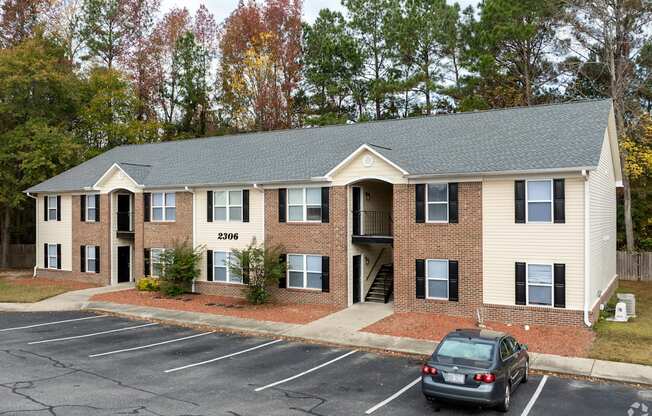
{"x":476,"y":366}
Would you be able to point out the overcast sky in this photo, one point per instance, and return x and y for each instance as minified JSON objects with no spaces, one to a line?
{"x":222,"y":8}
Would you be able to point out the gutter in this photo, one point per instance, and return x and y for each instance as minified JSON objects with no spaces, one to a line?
{"x":194,"y":206}
{"x":36,"y":226}
{"x":587,"y":246}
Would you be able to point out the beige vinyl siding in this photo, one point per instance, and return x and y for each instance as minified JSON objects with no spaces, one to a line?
{"x":55,"y":232}
{"x":206,"y":233}
{"x":602,"y":219}
{"x":506,"y":242}
{"x":117,"y":179}
{"x":355,"y":170}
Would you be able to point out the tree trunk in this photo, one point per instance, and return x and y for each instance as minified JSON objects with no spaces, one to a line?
{"x":4,"y":237}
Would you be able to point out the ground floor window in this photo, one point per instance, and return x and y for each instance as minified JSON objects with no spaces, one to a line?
{"x":156,"y":261}
{"x":53,"y":257}
{"x":304,"y":271}
{"x":91,"y":261}
{"x":539,"y":284}
{"x":437,"y":279}
{"x":221,"y":272}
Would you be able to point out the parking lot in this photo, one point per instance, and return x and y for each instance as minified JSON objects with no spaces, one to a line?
{"x":72,"y":363}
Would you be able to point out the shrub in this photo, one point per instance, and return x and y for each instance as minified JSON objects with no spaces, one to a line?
{"x":259,"y":267}
{"x":148,"y":284}
{"x":180,"y":266}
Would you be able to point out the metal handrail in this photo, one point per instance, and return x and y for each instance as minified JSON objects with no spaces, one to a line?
{"x":373,"y":223}
{"x":388,"y":285}
{"x":121,"y":216}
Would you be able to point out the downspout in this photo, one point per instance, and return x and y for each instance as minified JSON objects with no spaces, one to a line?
{"x":587,"y":246}
{"x":194,"y":203}
{"x":36,"y":225}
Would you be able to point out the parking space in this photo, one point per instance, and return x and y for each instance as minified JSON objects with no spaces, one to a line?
{"x":83,"y":364}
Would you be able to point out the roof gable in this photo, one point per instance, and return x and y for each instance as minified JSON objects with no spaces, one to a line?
{"x":364,"y":163}
{"x":116,"y":178}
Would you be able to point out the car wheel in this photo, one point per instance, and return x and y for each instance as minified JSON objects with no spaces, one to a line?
{"x":507,"y":399}
{"x":526,"y":372}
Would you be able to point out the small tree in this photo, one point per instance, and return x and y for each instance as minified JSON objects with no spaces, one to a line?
{"x":180,"y":267}
{"x":259,"y":267}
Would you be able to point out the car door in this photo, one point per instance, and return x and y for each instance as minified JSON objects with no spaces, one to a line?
{"x":521,"y":356}
{"x":509,"y":360}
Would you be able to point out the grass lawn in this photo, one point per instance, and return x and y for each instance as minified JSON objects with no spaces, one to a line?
{"x":27,"y":289}
{"x":632,"y":341}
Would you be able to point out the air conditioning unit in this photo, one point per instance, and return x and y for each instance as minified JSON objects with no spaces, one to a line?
{"x":630,"y":302}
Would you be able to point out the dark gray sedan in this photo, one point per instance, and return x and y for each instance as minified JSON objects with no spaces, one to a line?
{"x":476,"y":366}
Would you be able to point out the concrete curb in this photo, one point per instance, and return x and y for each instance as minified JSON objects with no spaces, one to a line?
{"x":584,"y":367}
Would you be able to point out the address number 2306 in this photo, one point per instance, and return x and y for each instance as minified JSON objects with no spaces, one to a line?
{"x":227,"y":236}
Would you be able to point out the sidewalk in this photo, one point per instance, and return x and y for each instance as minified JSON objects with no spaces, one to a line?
{"x":69,"y":301}
{"x":341,"y":328}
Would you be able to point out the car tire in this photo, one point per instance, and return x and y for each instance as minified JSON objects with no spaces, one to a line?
{"x":526,"y":372}
{"x":507,"y":399}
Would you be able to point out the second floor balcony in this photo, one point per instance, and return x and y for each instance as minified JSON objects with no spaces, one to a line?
{"x":124,"y":224}
{"x":372,"y":227}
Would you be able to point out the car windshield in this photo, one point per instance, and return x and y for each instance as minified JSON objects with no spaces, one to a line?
{"x":466,"y":349}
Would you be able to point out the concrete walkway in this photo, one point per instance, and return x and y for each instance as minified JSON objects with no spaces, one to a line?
{"x":69,"y":301}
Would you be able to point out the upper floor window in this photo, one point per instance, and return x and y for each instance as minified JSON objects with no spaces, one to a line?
{"x":539,"y":284}
{"x":52,"y":208}
{"x":221,"y":270}
{"x":91,"y":209}
{"x":539,"y":200}
{"x":304,"y":204}
{"x":163,"y":206}
{"x":227,"y":205}
{"x":437,"y":279}
{"x":437,"y":202}
{"x":304,"y":271}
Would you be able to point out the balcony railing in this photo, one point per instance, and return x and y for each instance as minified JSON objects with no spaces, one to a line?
{"x":372,"y":223}
{"x":124,"y":223}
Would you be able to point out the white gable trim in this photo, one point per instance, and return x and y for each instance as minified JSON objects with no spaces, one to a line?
{"x":109,"y":171}
{"x":359,"y":150}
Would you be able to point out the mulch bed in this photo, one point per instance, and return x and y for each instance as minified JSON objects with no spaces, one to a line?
{"x":221,"y":305}
{"x":559,"y":340}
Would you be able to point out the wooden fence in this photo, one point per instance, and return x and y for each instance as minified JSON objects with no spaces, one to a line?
{"x":22,"y":256}
{"x":635,"y":266}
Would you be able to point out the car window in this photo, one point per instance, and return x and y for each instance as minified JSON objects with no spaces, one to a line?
{"x":505,"y":349}
{"x":513,"y":344}
{"x":467,"y":349}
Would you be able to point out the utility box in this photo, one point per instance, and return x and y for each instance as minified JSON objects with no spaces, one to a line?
{"x":630,"y":301}
{"x":621,"y":312}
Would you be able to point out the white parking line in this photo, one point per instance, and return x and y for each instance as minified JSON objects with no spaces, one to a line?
{"x":223,"y":357}
{"x":52,"y":323}
{"x":150,"y":345}
{"x":392,"y":397}
{"x":535,"y":396}
{"x":306,"y":372}
{"x":90,"y":335}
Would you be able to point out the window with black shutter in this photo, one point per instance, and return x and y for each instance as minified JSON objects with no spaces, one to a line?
{"x":282,"y":204}
{"x":58,"y":207}
{"x":97,"y":259}
{"x":325,"y":274}
{"x":59,"y":256}
{"x":82,"y":207}
{"x":97,"y":208}
{"x":420,"y":201}
{"x":245,"y":205}
{"x":519,"y":201}
{"x":520,"y":284}
{"x":209,"y":265}
{"x":82,"y":256}
{"x":209,"y":206}
{"x":420,"y":279}
{"x":283,"y":281}
{"x":146,"y":262}
{"x":147,"y":204}
{"x":560,"y":285}
{"x":325,"y":204}
{"x":453,"y":280}
{"x":453,"y":205}
{"x":559,"y":198}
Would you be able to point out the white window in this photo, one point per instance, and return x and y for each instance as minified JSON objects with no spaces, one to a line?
{"x":90,"y":259}
{"x":221,"y":272}
{"x":304,"y":204}
{"x":304,"y":271}
{"x":437,"y":279}
{"x":90,"y":208}
{"x":156,"y":264}
{"x":539,"y":201}
{"x":539,"y":284}
{"x":227,"y":206}
{"x":164,"y":206}
{"x":52,"y":208}
{"x":53,"y":258}
{"x":437,"y":202}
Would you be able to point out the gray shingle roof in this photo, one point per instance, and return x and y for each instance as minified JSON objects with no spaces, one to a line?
{"x":518,"y":139}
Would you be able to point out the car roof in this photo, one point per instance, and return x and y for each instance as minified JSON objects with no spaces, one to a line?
{"x":477,"y":333}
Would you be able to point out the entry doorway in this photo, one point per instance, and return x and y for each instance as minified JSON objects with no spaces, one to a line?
{"x":124,"y":264}
{"x":357,"y":277}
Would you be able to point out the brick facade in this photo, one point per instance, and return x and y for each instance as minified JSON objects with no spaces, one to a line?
{"x":461,"y":242}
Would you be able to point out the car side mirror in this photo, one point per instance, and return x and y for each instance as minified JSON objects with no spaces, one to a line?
{"x":523,"y":346}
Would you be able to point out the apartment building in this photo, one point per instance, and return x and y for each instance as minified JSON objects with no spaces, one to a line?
{"x":509,"y":214}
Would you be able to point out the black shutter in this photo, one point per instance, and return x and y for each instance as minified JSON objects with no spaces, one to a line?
{"x":560,"y":285}
{"x":245,"y":275}
{"x":452,"y":203}
{"x":282,"y":204}
{"x":559,"y":209}
{"x":45,"y":207}
{"x":97,"y":259}
{"x":325,"y":204}
{"x":58,"y":207}
{"x":421,"y":278}
{"x":97,"y":208}
{"x":147,"y":203}
{"x":325,"y":273}
{"x":209,"y":206}
{"x":519,"y":201}
{"x":82,"y":208}
{"x":245,"y":205}
{"x":209,"y":265}
{"x":520,"y":284}
{"x":45,"y":256}
{"x":283,"y":281}
{"x":453,"y":281}
{"x":82,"y":256}
{"x":59,"y":256}
{"x":146,"y":262}
{"x":420,"y":192}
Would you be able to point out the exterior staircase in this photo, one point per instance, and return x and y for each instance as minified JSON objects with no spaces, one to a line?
{"x":381,"y":289}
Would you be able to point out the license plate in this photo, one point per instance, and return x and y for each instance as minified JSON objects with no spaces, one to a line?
{"x":454,"y":378}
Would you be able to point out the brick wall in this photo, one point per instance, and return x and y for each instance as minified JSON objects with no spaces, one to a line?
{"x":461,"y":242}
